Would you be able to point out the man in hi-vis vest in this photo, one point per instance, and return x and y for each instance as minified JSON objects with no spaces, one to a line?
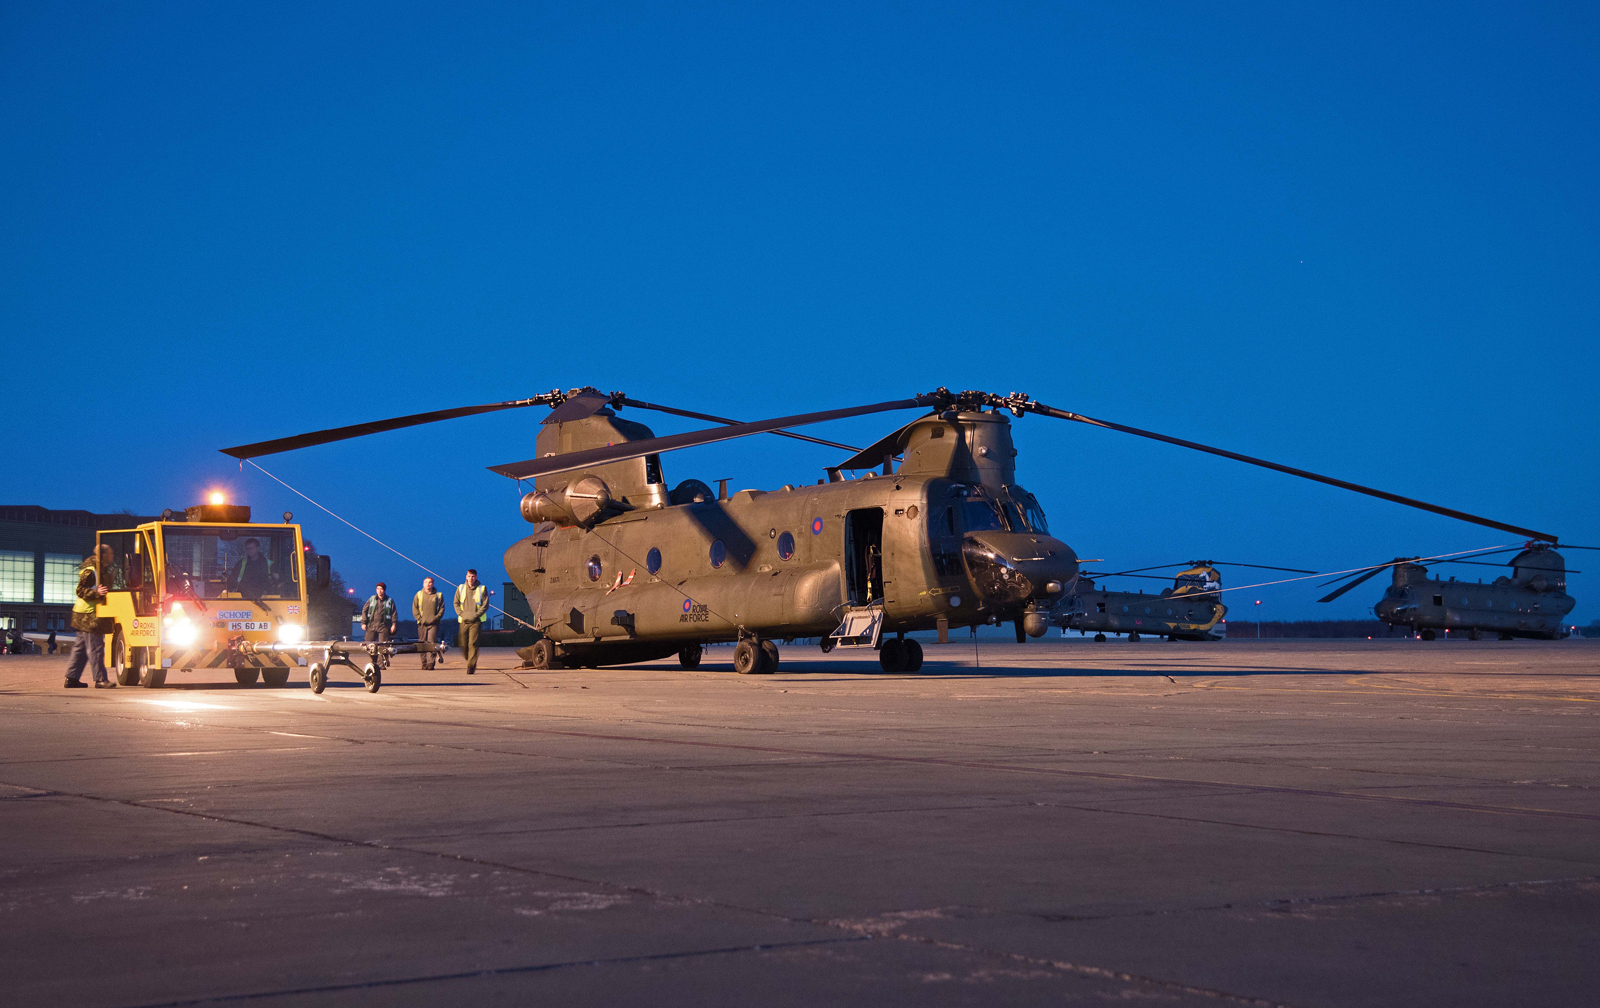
{"x":472,"y":603}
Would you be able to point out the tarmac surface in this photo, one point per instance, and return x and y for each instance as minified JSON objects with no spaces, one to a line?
{"x":1274,"y":823}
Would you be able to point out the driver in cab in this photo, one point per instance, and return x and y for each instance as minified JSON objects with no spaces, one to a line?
{"x":253,"y":575}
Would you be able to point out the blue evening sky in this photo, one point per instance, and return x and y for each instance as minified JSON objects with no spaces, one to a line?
{"x":1355,"y":238}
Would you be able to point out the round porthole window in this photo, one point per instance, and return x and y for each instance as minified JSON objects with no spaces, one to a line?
{"x":719,"y":554}
{"x":652,"y":560}
{"x":594,"y":568}
{"x":1124,"y":608}
{"x":785,"y":546}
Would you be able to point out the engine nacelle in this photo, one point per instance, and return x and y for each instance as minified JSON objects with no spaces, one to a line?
{"x":582,"y":503}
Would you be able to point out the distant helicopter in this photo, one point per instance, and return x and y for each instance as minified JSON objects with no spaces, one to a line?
{"x":1190,"y":610}
{"x":620,"y":569}
{"x":1532,"y":602}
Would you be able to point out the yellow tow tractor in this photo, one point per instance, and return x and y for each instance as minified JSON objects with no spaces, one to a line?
{"x":202,"y":590}
{"x":211,"y":589}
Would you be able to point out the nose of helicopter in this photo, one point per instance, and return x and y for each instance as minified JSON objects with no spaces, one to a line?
{"x":1009,"y":568}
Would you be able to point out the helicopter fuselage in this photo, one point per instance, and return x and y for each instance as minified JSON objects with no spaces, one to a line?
{"x":1531,"y":603}
{"x":956,"y":547}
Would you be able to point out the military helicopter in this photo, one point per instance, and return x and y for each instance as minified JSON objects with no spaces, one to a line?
{"x":1532,"y":602}
{"x":1190,"y":610}
{"x":620,"y":569}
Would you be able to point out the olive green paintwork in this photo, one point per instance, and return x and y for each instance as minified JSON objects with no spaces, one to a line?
{"x":1532,"y":602}
{"x":1189,"y":610}
{"x":591,"y":590}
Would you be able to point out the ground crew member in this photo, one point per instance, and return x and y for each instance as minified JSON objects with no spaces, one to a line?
{"x":428,"y":609}
{"x":96,"y":577}
{"x":378,"y":620}
{"x":472,"y":603}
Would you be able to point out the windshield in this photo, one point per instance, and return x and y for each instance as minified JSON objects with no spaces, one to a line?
{"x":208,"y":562}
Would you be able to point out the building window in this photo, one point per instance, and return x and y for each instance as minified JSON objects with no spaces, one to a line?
{"x":61,"y":578}
{"x":16,"y":576}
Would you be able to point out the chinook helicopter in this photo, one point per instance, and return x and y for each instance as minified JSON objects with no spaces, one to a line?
{"x":1190,"y":610}
{"x":1532,"y":602}
{"x":620,"y":569}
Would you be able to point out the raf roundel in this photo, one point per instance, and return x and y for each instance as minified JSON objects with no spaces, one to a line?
{"x":688,"y":604}
{"x":816,"y":526}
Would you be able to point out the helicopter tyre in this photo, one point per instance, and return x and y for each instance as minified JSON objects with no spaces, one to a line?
{"x":1506,"y":636}
{"x":1099,"y":638}
{"x":1133,"y":638}
{"x":747,"y":658}
{"x":689,"y":656}
{"x":769,"y":657}
{"x":1472,"y":634}
{"x":913,"y":655}
{"x":892,"y":655}
{"x":1427,"y":635}
{"x":543,"y":654}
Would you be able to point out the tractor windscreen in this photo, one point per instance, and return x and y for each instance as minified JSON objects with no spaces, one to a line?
{"x":208,"y":562}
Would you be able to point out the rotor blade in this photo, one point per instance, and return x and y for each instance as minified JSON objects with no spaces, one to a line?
{"x":1358,"y":488}
{"x":589,"y":457}
{"x":691,"y":414}
{"x":1137,"y":570}
{"x":1357,"y":570}
{"x":1351,"y":584}
{"x":1143,"y":577}
{"x":872,"y":456}
{"x":376,"y":427}
{"x":1578,"y":547}
{"x":1230,"y":563}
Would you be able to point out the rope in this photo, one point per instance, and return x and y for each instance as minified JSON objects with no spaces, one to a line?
{"x":391,"y":549}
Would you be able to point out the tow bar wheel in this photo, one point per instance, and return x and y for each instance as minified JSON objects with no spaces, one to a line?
{"x":319,"y":677}
{"x":373,"y":676}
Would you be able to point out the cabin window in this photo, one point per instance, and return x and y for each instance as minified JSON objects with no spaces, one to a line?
{"x":652,"y":469}
{"x":937,"y":432}
{"x":719,"y":554}
{"x":1438,"y":600}
{"x":1099,"y":607}
{"x":785,"y":546}
{"x":594,"y":568}
{"x":652,"y":560}
{"x":1124,"y":608}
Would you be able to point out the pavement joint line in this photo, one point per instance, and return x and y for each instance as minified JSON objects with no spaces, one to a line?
{"x":1077,"y":968}
{"x":962,"y":764}
{"x":1486,"y":887}
{"x":496,"y":971}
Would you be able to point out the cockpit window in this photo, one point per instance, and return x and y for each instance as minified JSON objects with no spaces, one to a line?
{"x":980,"y":515}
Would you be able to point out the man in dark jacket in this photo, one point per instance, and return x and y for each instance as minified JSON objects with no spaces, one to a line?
{"x":96,"y":577}
{"x":378,"y":619}
{"x":428,"y":609}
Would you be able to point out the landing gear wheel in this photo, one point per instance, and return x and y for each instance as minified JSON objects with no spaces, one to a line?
{"x":1133,"y":638}
{"x":769,"y":657}
{"x":827,"y":644}
{"x":542,"y":655}
{"x":1472,"y":634}
{"x":276,"y":678}
{"x":913,"y":655}
{"x":319,"y":677}
{"x":373,"y":676}
{"x":747,"y":658}
{"x":247,"y":676}
{"x":1099,"y":638}
{"x":689,"y":655}
{"x":1427,"y":635}
{"x":892,"y":655}
{"x":1505,"y":636}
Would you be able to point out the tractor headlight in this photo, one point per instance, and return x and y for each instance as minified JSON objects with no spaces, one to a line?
{"x":291,"y":633}
{"x":179,"y":632}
